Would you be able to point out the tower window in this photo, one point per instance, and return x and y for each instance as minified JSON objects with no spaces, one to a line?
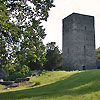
{"x":85,"y":27}
{"x":68,"y":50}
{"x":84,"y":50}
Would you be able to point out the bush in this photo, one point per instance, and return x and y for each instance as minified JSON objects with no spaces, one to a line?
{"x":15,"y":75}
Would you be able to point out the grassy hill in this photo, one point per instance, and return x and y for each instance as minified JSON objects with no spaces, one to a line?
{"x":57,"y":85}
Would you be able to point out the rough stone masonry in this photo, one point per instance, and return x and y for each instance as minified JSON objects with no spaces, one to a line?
{"x":79,"y":42}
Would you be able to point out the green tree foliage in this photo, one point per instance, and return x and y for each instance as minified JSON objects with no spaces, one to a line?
{"x":54,"y":57}
{"x":38,"y":64}
{"x":98,"y":54}
{"x":24,"y":69}
{"x":21,"y":30}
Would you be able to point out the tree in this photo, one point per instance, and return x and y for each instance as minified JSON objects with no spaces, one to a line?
{"x":54,"y":57}
{"x":4,"y":35}
{"x":98,"y":54}
{"x":21,"y":29}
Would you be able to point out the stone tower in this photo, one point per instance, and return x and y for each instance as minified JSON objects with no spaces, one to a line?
{"x":79,"y":42}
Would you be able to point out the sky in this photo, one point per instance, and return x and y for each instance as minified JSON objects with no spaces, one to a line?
{"x":64,"y":8}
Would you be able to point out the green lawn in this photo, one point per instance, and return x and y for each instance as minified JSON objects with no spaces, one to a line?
{"x":58,"y":85}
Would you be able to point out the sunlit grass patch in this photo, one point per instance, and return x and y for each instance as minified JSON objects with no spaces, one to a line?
{"x":58,"y":85}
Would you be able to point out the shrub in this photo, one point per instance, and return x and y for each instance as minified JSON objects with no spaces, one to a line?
{"x":15,"y":75}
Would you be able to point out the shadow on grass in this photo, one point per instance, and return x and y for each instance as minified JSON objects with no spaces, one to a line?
{"x":77,"y":84}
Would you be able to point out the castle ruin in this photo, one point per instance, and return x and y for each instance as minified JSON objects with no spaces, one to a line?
{"x":79,"y":42}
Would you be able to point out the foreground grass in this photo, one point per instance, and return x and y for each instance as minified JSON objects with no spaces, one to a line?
{"x":58,"y":85}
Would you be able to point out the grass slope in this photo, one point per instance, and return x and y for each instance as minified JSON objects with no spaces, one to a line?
{"x":58,"y":85}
